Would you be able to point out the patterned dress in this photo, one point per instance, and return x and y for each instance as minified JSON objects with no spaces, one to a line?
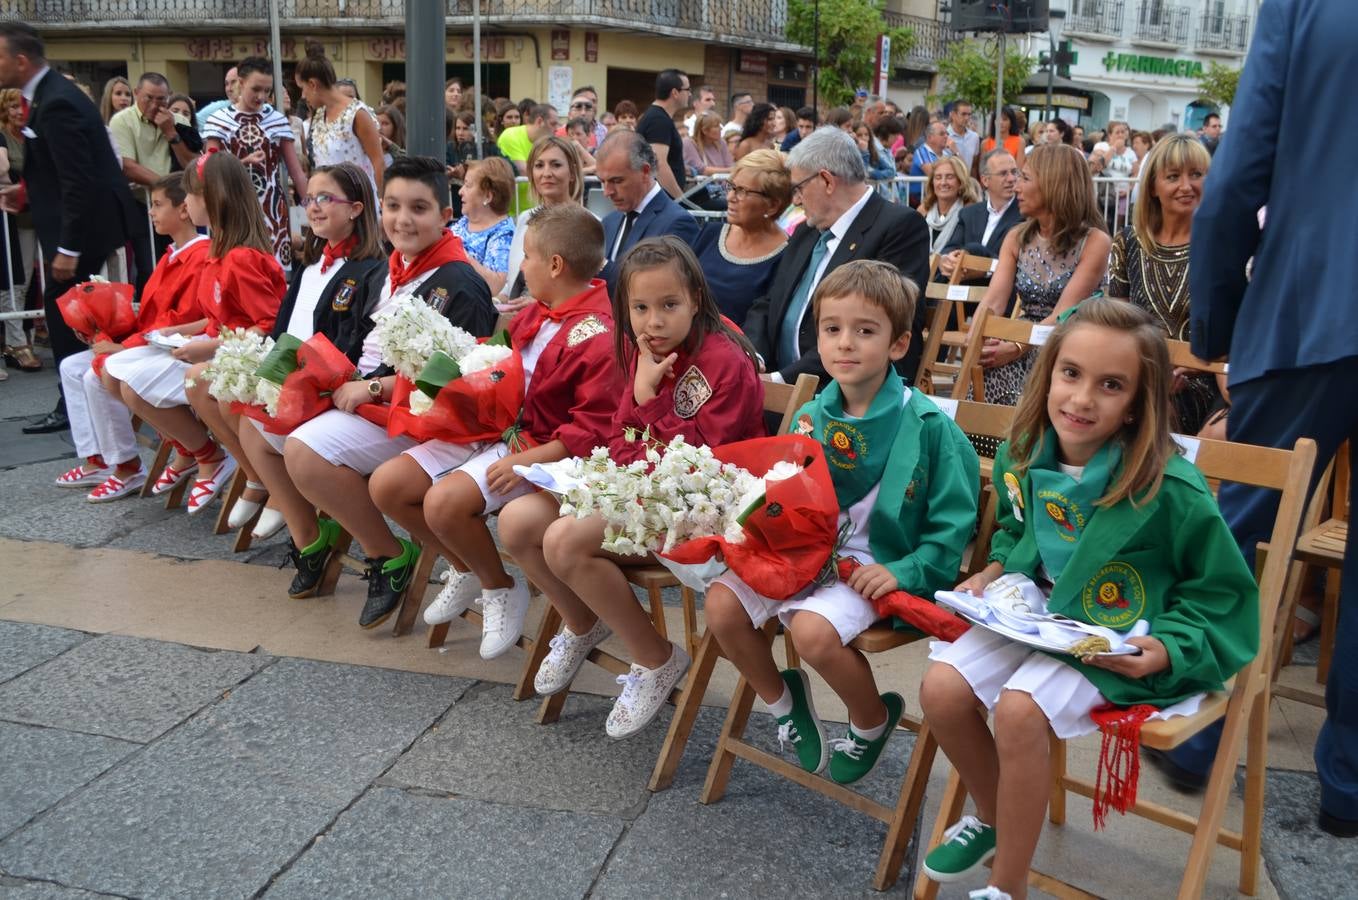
{"x":1040,"y":279}
{"x":336,"y":142}
{"x":244,"y":134}
{"x":490,"y":246}
{"x":1155,"y":278}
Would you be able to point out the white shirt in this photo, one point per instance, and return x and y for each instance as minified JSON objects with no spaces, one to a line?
{"x":993,"y":217}
{"x":641,"y":208}
{"x":837,"y":230}
{"x":533,"y":352}
{"x":302,"y":322}
{"x":371,"y":357}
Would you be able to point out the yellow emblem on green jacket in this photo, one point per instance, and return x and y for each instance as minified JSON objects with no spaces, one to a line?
{"x":1115,"y":597}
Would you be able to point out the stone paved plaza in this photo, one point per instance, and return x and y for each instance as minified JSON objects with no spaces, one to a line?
{"x":172,"y":726}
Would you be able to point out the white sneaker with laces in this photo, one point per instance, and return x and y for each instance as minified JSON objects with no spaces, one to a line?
{"x":989,"y":892}
{"x":460,"y":591}
{"x":568,"y":654}
{"x":503,"y":610}
{"x":644,"y":692}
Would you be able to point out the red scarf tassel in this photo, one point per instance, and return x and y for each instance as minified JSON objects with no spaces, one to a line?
{"x":1119,"y":758}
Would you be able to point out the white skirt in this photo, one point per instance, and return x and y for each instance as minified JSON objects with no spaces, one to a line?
{"x":346,"y":439}
{"x":152,"y":374}
{"x":838,"y":604}
{"x":439,"y":460}
{"x":992,"y":664}
{"x":275,"y":441}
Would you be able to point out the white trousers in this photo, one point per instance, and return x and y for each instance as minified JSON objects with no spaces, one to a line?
{"x":100,"y":424}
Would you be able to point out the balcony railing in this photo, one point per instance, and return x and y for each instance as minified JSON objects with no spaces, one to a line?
{"x":1098,"y":17}
{"x":1225,"y":33}
{"x":738,"y":21}
{"x":1162,"y":23}
{"x":931,"y":40}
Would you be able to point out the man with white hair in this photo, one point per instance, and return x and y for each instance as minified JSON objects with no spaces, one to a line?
{"x":845,"y":220}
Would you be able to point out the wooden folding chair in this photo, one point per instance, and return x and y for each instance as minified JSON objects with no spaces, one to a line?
{"x":975,"y":418}
{"x":948,"y":299}
{"x":157,"y":466}
{"x":783,"y":399}
{"x":1243,"y":707}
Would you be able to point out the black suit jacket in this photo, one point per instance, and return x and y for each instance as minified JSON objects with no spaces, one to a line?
{"x":971,"y":221}
{"x":660,"y":217}
{"x":76,"y":188}
{"x":884,"y":231}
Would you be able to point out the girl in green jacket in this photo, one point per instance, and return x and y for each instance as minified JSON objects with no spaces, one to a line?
{"x":1099,"y":509}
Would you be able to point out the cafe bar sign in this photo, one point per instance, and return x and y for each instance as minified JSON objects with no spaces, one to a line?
{"x":1152,"y":65}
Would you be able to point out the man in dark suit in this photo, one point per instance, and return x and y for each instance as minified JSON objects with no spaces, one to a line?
{"x":82,"y":209}
{"x":1290,"y":330}
{"x":981,"y":227}
{"x":845,"y":220}
{"x":626,"y":165}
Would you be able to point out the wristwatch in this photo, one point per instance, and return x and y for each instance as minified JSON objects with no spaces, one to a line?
{"x":375,"y":389}
{"x":174,"y":140}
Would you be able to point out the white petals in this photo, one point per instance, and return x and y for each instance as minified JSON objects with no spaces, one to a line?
{"x":231,"y":374}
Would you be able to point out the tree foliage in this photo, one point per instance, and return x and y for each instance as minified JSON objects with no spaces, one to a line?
{"x":968,"y":70}
{"x":1218,"y":83}
{"x":848,"y":43}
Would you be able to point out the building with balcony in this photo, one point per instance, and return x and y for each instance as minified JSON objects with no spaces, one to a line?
{"x":1140,"y":60}
{"x":529,"y":48}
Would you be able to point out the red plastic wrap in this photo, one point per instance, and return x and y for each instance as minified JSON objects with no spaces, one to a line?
{"x":98,"y":310}
{"x":478,"y":406}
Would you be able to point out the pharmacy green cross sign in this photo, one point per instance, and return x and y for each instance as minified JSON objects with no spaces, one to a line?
{"x":1152,"y":65}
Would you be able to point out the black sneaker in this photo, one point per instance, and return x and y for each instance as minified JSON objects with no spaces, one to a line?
{"x":1183,"y":780}
{"x":387,"y":577}
{"x":311,"y":562}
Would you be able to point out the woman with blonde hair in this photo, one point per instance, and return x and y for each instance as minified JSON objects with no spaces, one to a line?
{"x":555,"y":176}
{"x":117,"y":97}
{"x":1055,"y":259}
{"x":706,"y":153}
{"x":948,"y":189}
{"x":739,"y":256}
{"x":1149,"y":263}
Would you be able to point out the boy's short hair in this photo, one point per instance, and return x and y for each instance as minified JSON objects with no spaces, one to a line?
{"x":880,"y":283}
{"x":424,"y":169}
{"x":172,"y":186}
{"x":569,"y":231}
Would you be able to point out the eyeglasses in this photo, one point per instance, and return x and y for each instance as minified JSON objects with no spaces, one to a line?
{"x":797,"y":188}
{"x":582,"y":106}
{"x":740,"y":193}
{"x":320,"y":201}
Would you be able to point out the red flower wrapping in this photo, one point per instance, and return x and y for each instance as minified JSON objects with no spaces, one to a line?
{"x":98,"y":310}
{"x":306,"y":391}
{"x":914,"y":611}
{"x":477,"y":406}
{"x":789,"y":539}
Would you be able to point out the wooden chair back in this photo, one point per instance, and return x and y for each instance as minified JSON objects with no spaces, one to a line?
{"x":948,"y":300}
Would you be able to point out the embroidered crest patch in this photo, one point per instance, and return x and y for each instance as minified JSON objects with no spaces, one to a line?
{"x":691,"y":391}
{"x":1011,"y":486}
{"x":1066,"y":514}
{"x":586,"y":328}
{"x":846,"y":443}
{"x":344,"y":295}
{"x":438,"y":299}
{"x":1115,"y":597}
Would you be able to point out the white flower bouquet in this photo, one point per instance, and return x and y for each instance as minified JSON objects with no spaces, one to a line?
{"x":231,"y":374}
{"x":409,"y":332}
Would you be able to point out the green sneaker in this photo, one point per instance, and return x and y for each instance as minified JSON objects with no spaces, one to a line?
{"x":312,"y":559}
{"x":388,"y":578}
{"x":800,"y":727}
{"x":967,"y":846}
{"x":854,"y":757}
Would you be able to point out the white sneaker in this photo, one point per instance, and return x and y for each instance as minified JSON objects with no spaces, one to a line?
{"x":644,"y":691}
{"x":989,"y":892}
{"x":460,"y":590}
{"x":569,"y":651}
{"x":270,"y":522}
{"x":503,"y":610}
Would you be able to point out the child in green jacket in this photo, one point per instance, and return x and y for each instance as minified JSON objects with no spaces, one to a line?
{"x":1096,"y":504}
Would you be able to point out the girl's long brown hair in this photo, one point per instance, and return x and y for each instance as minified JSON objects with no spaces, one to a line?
{"x":1146,"y":442}
{"x":357,"y":188}
{"x":653,"y":253}
{"x":1067,"y":188}
{"x":233,"y":211}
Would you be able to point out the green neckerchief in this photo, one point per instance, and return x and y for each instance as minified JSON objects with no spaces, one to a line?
{"x":1062,"y":507}
{"x":1070,"y":312}
{"x":857,"y":449}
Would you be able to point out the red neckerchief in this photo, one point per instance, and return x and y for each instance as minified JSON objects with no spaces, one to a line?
{"x":447,"y":249}
{"x":332,"y":253}
{"x":593,"y":299}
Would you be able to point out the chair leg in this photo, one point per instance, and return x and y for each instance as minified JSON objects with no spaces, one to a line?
{"x":908,"y":805}
{"x":547,"y":629}
{"x":794,"y":659}
{"x":157,"y":466}
{"x":174,"y":498}
{"x":949,"y":811}
{"x":1056,"y":805}
{"x":344,"y":542}
{"x":658,"y":611}
{"x":413,"y":598}
{"x":1256,"y":771}
{"x":689,"y":600}
{"x":733,"y":729}
{"x":233,"y":493}
{"x":438,"y":635}
{"x":551,"y":707}
{"x":686,"y":712}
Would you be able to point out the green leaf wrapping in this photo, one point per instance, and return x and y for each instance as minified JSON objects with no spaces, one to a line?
{"x":281,"y":361}
{"x":436,"y":373}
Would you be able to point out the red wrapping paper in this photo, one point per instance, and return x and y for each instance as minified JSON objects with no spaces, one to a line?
{"x":306,"y":391}
{"x":916,"y":612}
{"x":478,"y":406}
{"x":789,"y":539}
{"x":99,"y":310}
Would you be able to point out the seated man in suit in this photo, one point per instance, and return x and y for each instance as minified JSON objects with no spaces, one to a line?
{"x":845,"y":220}
{"x":626,"y":165}
{"x":981,"y":227}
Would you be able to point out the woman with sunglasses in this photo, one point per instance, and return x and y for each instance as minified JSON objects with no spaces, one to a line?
{"x":739,"y":256}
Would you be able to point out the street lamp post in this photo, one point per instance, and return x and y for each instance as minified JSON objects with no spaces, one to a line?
{"x":815,"y":57}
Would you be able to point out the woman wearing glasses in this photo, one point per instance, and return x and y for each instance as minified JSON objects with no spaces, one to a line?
{"x":739,"y":256}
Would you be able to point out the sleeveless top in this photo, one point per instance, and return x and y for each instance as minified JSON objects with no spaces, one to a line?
{"x":335,"y":142}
